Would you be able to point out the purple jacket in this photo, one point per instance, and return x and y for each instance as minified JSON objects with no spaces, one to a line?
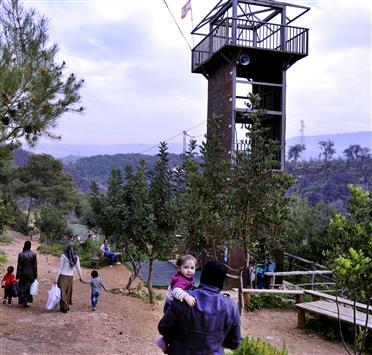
{"x":178,"y":280}
{"x":205,"y":329}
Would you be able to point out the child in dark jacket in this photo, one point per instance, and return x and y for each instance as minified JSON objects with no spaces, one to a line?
{"x":7,"y":282}
{"x":96,"y":284}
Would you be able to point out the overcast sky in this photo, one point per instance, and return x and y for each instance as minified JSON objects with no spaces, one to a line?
{"x":139,"y":87}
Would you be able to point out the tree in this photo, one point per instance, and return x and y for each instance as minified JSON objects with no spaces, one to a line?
{"x":5,"y":216}
{"x":34,"y":89}
{"x":327,"y":150}
{"x":356,"y":155}
{"x":257,"y":208}
{"x":352,"y":254}
{"x":295,"y":151}
{"x":307,"y":232}
{"x":43,"y":181}
{"x":202,"y":198}
{"x":51,"y":224}
{"x":161,"y":235}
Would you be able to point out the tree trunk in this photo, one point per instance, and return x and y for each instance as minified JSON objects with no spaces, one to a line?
{"x":149,"y":281}
{"x":28,"y":212}
{"x":135,"y":269}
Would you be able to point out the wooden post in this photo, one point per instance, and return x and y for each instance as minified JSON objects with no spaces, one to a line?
{"x":300,"y":298}
{"x":247,"y":300}
{"x":300,"y":318}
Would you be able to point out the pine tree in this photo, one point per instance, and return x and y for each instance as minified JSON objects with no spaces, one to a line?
{"x":34,"y":89}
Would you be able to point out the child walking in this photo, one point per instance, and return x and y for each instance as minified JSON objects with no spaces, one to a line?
{"x":7,"y":282}
{"x":181,"y":281}
{"x":96,"y":284}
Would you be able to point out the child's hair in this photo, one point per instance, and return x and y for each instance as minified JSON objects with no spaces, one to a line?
{"x":94,"y":274}
{"x":10,"y":269}
{"x":185,"y":258}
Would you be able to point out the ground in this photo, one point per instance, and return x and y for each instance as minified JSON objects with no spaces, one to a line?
{"x":121,"y":324}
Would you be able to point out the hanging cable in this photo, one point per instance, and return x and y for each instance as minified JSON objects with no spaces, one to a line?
{"x":173,"y":137}
{"x":175,"y":21}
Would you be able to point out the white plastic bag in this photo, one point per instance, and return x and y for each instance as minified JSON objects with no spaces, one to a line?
{"x":54,"y":296}
{"x":34,"y":288}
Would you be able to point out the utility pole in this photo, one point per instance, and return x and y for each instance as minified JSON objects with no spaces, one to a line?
{"x":302,"y":129}
{"x":184,"y":142}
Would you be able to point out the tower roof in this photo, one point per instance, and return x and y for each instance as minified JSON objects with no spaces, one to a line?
{"x":255,"y":10}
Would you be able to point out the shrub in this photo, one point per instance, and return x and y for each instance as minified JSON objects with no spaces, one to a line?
{"x":2,"y":257}
{"x":5,"y":216}
{"x":86,"y":250}
{"x":251,"y":346}
{"x":56,"y":249}
{"x":262,"y":300}
{"x":5,"y":239}
{"x":329,"y":329}
{"x":20,"y":222}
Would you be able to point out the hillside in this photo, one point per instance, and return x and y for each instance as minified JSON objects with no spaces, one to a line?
{"x":98,"y":168}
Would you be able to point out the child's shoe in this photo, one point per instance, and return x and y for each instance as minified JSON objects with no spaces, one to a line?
{"x":4,"y":301}
{"x":160,"y":342}
{"x":94,"y":308}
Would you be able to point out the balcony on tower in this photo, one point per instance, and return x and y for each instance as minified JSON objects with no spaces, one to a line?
{"x":259,"y":26}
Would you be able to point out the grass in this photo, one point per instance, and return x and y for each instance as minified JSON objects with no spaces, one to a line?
{"x":251,"y":346}
{"x":54,"y":249}
{"x":5,"y":239}
{"x":262,"y":300}
{"x":3,"y":258}
{"x":136,"y":292}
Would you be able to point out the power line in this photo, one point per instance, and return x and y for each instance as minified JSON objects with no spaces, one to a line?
{"x":175,"y":136}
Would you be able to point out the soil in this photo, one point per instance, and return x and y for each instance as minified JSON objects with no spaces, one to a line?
{"x":121,"y":324}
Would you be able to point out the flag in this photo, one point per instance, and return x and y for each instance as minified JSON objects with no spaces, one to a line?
{"x":186,"y":9}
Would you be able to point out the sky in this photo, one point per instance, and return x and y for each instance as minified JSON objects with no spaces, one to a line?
{"x":137,"y":69}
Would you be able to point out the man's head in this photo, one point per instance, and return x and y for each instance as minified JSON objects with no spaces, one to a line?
{"x":27,"y":245}
{"x":213,"y":274}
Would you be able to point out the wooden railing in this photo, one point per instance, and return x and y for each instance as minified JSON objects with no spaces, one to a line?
{"x":252,"y":34}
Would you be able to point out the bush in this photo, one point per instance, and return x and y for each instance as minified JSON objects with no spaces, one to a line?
{"x":2,"y":257}
{"x":20,"y":222}
{"x":5,"y":215}
{"x":56,"y":249}
{"x":262,"y":300}
{"x":329,"y":329}
{"x":5,"y":239}
{"x":86,"y":250}
{"x":251,"y":346}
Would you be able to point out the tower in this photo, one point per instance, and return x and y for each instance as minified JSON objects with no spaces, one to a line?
{"x":247,"y":46}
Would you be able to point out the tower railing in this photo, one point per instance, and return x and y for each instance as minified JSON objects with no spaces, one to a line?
{"x":251,"y":34}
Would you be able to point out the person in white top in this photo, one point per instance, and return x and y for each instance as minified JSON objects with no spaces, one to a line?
{"x":105,"y":248}
{"x":65,"y":276}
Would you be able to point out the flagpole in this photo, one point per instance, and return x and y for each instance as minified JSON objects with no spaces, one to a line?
{"x":192,"y":26}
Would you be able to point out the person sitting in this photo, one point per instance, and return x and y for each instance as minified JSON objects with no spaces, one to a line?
{"x":105,"y":248}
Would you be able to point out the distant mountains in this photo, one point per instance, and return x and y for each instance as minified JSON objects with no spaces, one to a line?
{"x":61,"y":150}
{"x":73,"y":152}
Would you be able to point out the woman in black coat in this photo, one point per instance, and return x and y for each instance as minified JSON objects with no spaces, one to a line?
{"x":26,"y":273}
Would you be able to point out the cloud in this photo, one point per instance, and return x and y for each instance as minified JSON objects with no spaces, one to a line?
{"x":139,"y":86}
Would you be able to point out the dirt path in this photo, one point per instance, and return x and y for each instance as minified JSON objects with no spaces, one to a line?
{"x":121,"y":324}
